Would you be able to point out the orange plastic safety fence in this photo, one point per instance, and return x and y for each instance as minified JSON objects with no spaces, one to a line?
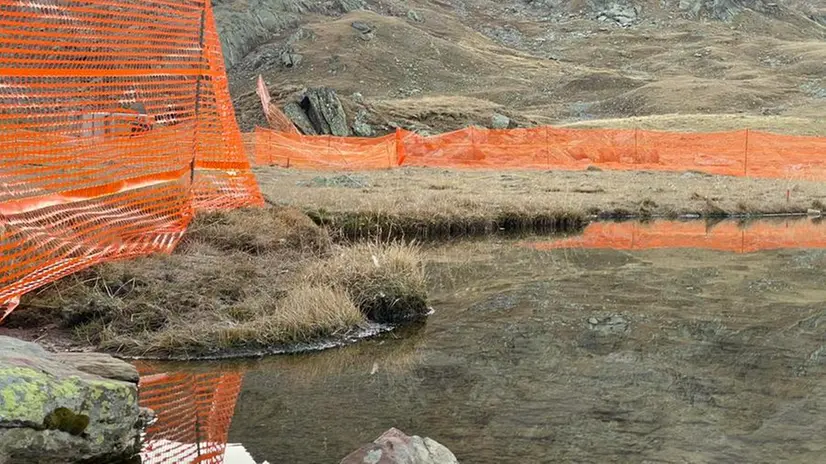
{"x":115,"y":125}
{"x":739,"y":153}
{"x":323,"y":152}
{"x":726,"y":236}
{"x":194,"y":412}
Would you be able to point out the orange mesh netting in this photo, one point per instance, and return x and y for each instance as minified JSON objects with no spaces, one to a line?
{"x":725,"y":236}
{"x":740,"y":153}
{"x":194,"y":412}
{"x":323,"y":152}
{"x":115,"y":124}
{"x":275,"y":117}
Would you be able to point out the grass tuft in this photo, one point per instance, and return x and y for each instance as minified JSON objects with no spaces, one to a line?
{"x":257,"y":231}
{"x":237,"y":284}
{"x":386,"y":282}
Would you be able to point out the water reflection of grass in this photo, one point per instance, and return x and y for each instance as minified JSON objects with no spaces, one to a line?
{"x":393,"y":356}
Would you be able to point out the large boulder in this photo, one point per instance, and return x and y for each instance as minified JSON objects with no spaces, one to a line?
{"x":299,"y":118}
{"x":394,"y":447}
{"x":319,"y":112}
{"x":65,"y":408}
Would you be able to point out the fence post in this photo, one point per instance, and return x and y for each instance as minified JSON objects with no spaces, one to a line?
{"x":746,"y":156}
{"x":197,"y":109}
{"x":400,"y":151}
{"x":547,"y":147}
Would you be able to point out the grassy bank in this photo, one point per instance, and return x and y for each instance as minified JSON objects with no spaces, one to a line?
{"x":426,"y":203}
{"x":242,"y":281}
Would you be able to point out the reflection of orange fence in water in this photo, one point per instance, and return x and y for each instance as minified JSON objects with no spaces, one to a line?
{"x":194,"y":412}
{"x":724,"y":236}
{"x":115,"y":124}
{"x":741,"y":153}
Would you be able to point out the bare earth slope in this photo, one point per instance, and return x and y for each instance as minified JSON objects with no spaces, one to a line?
{"x":435,"y":65}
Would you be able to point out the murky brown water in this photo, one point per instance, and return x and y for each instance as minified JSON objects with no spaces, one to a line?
{"x":544,"y":354}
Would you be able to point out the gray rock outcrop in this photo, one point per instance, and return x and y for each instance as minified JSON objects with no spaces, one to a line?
{"x":394,"y":447}
{"x":324,"y":110}
{"x":243,"y":26}
{"x":361,"y":127}
{"x":623,"y":14}
{"x":65,"y":408}
{"x":299,"y":118}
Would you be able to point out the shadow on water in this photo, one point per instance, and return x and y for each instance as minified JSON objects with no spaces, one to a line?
{"x":658,"y":342}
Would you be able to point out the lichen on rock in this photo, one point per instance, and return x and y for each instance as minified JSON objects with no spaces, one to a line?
{"x":51,"y":412}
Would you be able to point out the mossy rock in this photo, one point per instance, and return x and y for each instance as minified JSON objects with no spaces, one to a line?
{"x":50,"y":411}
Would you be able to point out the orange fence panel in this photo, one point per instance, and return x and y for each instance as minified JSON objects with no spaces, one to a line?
{"x":474,"y":147}
{"x":115,"y":125}
{"x":193,"y":414}
{"x":324,"y":152}
{"x":786,"y":157}
{"x":737,"y":153}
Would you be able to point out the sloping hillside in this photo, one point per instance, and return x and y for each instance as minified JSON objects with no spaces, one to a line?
{"x":435,"y":65}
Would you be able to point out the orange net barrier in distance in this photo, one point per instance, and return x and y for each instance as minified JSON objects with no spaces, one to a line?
{"x":726,"y":236}
{"x":738,"y":153}
{"x":115,"y":125}
{"x":193,"y":414}
{"x":324,"y":152}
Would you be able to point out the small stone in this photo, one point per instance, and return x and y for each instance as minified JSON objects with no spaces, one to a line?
{"x":813,"y":212}
{"x":367,"y":36}
{"x":291,"y":60}
{"x":415,"y":16}
{"x":350,"y":5}
{"x":362,"y":27}
{"x":593,"y":321}
{"x":360,"y":126}
{"x":499,"y":121}
{"x":358,"y":98}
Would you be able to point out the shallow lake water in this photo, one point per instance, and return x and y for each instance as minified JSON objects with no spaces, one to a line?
{"x":661,"y":342}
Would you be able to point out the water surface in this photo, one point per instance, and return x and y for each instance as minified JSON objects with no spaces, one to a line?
{"x":549,"y":351}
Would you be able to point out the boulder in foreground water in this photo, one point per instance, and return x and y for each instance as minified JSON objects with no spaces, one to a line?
{"x":394,"y":447}
{"x":58,"y":409}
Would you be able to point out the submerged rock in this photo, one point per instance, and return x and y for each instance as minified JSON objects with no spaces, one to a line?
{"x":394,"y":447}
{"x":61,"y":408}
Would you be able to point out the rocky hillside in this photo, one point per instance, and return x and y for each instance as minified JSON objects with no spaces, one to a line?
{"x":434,"y":65}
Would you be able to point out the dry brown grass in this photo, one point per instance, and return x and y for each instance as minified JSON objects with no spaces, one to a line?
{"x":420,"y":204}
{"x":711,"y":123}
{"x":235,"y":285}
{"x":385,"y":281}
{"x":257,"y":231}
{"x":413,"y":202}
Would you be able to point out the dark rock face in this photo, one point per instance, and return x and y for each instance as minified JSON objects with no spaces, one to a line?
{"x":324,"y":110}
{"x":297,"y":115}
